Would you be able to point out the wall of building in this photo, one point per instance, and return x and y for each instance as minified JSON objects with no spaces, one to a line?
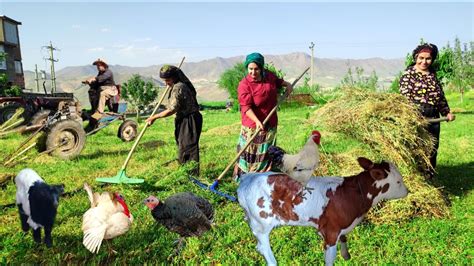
{"x":10,"y":44}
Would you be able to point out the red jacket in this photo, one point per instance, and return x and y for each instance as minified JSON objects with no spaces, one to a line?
{"x":260,"y":96}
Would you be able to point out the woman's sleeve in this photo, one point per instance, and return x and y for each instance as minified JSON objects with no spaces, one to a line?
{"x":403,"y":86}
{"x":443,"y":106}
{"x":245,"y":97}
{"x":176,"y":94}
{"x":278,"y":82}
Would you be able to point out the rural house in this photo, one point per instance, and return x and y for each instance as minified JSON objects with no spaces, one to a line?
{"x":10,"y":44}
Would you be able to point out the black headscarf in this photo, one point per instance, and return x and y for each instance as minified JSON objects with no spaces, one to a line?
{"x":169,"y":71}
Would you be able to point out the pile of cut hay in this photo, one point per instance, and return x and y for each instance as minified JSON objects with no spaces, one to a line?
{"x":388,"y":128}
{"x":232,"y":129}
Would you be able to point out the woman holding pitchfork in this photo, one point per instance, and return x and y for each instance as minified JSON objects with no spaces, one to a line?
{"x":258,"y":95}
{"x":420,"y":86}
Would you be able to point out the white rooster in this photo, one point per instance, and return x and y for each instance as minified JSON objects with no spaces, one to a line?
{"x":298,"y":166}
{"x":107,"y":218}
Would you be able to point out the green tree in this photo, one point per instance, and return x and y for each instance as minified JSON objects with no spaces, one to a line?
{"x":138,"y":92}
{"x":462,"y":66}
{"x":229,"y":80}
{"x":3,"y":76}
{"x":360,"y":80}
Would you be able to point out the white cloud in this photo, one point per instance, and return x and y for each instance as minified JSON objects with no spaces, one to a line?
{"x":119,"y":46}
{"x":105,"y":30}
{"x":148,"y":55}
{"x":129,"y":49}
{"x":155,"y":48}
{"x":146,"y":39}
{"x":76,"y":26}
{"x":95,"y":49}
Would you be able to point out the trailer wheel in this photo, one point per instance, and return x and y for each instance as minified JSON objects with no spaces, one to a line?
{"x":7,"y":111}
{"x":39,"y":117}
{"x":127,"y":130}
{"x":66,"y":139}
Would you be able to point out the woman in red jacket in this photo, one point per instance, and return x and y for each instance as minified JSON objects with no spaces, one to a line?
{"x":258,"y":95}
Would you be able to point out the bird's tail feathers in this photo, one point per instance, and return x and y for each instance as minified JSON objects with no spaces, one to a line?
{"x":276,"y":155}
{"x":93,"y":239}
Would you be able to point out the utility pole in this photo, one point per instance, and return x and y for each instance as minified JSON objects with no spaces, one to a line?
{"x":37,"y":78}
{"x":51,"y":58}
{"x":312,"y":63}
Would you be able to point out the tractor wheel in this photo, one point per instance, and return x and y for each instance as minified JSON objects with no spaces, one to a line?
{"x":39,"y":117}
{"x":66,"y":139}
{"x":128,"y":130}
{"x":7,"y":111}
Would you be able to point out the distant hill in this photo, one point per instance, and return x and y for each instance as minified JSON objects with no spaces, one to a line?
{"x":204,"y":74}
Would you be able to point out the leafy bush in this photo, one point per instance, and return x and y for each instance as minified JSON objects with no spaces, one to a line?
{"x":138,"y":92}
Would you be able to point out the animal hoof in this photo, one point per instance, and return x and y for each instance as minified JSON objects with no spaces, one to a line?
{"x":346,"y":256}
{"x":37,"y":238}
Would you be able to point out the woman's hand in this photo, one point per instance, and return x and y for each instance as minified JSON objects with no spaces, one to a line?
{"x":289,"y":88}
{"x":259,"y":125}
{"x":150,"y":120}
{"x":451,"y":117}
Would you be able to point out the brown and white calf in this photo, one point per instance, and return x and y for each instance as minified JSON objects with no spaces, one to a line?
{"x":333,"y":205}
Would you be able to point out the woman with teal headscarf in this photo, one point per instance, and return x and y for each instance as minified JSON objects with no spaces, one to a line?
{"x":258,"y":95}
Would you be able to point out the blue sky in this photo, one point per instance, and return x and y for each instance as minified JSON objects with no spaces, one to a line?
{"x":148,"y":33}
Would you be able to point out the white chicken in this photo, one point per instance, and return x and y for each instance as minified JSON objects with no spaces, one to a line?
{"x":298,"y":166}
{"x":107,"y":218}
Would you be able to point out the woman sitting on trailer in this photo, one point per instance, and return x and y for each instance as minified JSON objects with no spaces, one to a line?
{"x":188,"y":122}
{"x":258,"y":95}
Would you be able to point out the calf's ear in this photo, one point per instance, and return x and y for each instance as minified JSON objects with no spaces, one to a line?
{"x":59,"y":189}
{"x":365,"y":163}
{"x":377,"y":174}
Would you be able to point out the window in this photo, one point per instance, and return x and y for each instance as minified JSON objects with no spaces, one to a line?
{"x":10,"y":33}
{"x":3,"y":63}
{"x":18,"y":68}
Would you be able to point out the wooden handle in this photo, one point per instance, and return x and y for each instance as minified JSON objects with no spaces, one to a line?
{"x":249,"y":141}
{"x":124,"y":166}
{"x":437,"y":120}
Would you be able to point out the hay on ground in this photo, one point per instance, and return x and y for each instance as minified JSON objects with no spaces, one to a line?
{"x":232,"y":129}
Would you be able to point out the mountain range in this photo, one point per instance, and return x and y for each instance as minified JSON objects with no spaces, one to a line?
{"x":204,"y":74}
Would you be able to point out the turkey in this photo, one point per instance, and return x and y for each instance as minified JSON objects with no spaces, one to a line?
{"x":298,"y":166}
{"x":107,"y":218}
{"x":183,"y":213}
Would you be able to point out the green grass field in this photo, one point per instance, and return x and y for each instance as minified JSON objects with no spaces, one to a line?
{"x":420,"y":241}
